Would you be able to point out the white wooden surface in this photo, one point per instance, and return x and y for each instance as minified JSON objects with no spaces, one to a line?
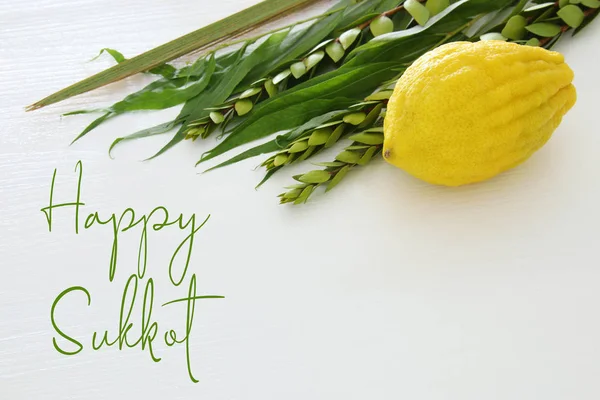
{"x":386,"y":288}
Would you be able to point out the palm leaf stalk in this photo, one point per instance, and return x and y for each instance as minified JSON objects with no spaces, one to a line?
{"x":367,"y":144}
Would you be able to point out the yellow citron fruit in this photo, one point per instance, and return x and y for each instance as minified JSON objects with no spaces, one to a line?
{"x":465,"y":112}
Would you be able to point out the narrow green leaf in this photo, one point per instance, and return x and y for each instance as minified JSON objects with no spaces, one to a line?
{"x":587,"y":21}
{"x":309,"y":152}
{"x":313,"y":59}
{"x":539,"y":7}
{"x":304,"y":195}
{"x":268,"y":175}
{"x":115,"y":54}
{"x":216,"y":117}
{"x":298,"y":69}
{"x":418,"y":11}
{"x":544,"y":29}
{"x":330,"y":164}
{"x":437,"y":6}
{"x":357,"y":147}
{"x":337,"y":178}
{"x":155,"y":130}
{"x":280,"y":159}
{"x":348,"y":37}
{"x":335,"y":136}
{"x":492,"y":36}
{"x":319,"y":136}
{"x":243,"y":107}
{"x":381,"y":95}
{"x":299,"y":146}
{"x":367,"y":138}
{"x":281,"y":76}
{"x":292,"y":194}
{"x":591,"y":3}
{"x":348,"y":156}
{"x":372,"y":116}
{"x":163,"y":94}
{"x":93,"y":125}
{"x":316,"y":176}
{"x":335,"y":51}
{"x":364,"y":160}
{"x":271,"y":88}
{"x":515,"y":28}
{"x":250,"y":92}
{"x":572,"y":15}
{"x":381,"y":25}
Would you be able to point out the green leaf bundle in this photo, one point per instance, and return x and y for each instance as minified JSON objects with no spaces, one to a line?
{"x":326,"y":79}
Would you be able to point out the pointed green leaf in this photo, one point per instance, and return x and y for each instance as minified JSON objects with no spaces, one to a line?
{"x":349,"y":157}
{"x":418,"y":11}
{"x":355,"y":118}
{"x":367,"y":138}
{"x":357,"y":147}
{"x":270,"y":87}
{"x":492,"y":36}
{"x":216,"y":117}
{"x":298,"y":147}
{"x":364,"y":160}
{"x":335,"y":51}
{"x":337,"y":178}
{"x":156,"y":130}
{"x":381,"y":25}
{"x":280,"y":159}
{"x":115,"y":54}
{"x":309,"y":152}
{"x":319,"y":136}
{"x":348,"y":37}
{"x":243,"y":107}
{"x":591,"y":3}
{"x":298,"y":69}
{"x":250,"y":92}
{"x":381,"y":95}
{"x":304,"y":195}
{"x":316,"y":176}
{"x":572,"y":15}
{"x":312,"y":60}
{"x":330,"y":164}
{"x":292,"y":194}
{"x":515,"y":28}
{"x":372,"y":116}
{"x":335,"y":136}
{"x":281,"y":76}
{"x":436,"y":6}
{"x":544,"y":29}
{"x":539,"y":6}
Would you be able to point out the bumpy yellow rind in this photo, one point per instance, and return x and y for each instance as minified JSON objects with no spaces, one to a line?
{"x":466,"y":112}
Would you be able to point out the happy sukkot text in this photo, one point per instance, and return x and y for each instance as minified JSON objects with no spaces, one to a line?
{"x":127,"y":334}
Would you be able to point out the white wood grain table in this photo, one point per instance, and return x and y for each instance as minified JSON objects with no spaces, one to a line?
{"x":386,"y":288}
